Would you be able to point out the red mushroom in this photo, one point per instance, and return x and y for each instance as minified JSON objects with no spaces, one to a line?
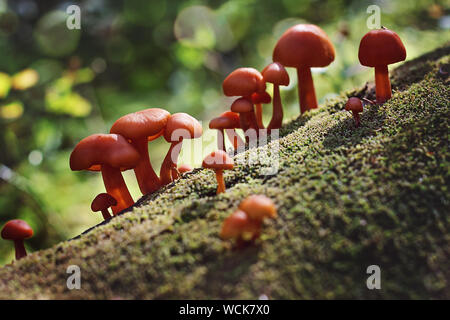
{"x":110,"y":154}
{"x":258,"y":99}
{"x":240,"y":227}
{"x":258,"y":207}
{"x":355,"y":106}
{"x":304,"y":46}
{"x":244,"y":82}
{"x":234,"y":138}
{"x":378,"y":49}
{"x":179,"y":126}
{"x":276,"y":74}
{"x":102,"y":202}
{"x":244,"y":107}
{"x":218,"y":161}
{"x":17,"y":231}
{"x":226,"y":121}
{"x":140,"y":128}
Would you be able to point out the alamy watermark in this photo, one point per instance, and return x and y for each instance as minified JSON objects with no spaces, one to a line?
{"x":374,"y":20}
{"x":74,"y":280}
{"x":73,"y":21}
{"x":374,"y":280}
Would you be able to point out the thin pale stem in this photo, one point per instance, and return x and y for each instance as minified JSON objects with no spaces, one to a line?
{"x":220,"y":181}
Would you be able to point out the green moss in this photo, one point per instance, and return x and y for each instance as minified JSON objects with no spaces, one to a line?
{"x":347,"y":198}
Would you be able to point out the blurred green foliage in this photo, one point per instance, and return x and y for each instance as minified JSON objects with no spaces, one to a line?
{"x":59,"y":85}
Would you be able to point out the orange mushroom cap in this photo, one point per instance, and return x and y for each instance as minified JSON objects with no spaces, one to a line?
{"x":304,"y":45}
{"x":243,"y":82}
{"x":242,"y":105}
{"x":354,"y":104}
{"x":103,"y":201}
{"x":261,"y":97}
{"x":223,"y":123}
{"x":237,"y":224}
{"x":186,"y":123}
{"x":218,"y":160}
{"x":275,"y":73}
{"x":16,"y":230}
{"x":258,"y":207}
{"x":381,"y":47}
{"x":233,"y":116}
{"x":146,"y":123}
{"x":99,"y":149}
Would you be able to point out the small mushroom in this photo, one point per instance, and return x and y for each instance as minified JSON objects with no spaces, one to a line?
{"x":244,"y":82}
{"x":258,"y":99}
{"x":102,"y":202}
{"x":355,"y":106}
{"x":218,"y":161}
{"x":179,"y":126}
{"x":258,"y":207}
{"x":234,"y":138}
{"x":304,"y":46}
{"x":378,"y":49}
{"x":276,"y":74}
{"x":224,"y":122}
{"x":240,"y":227}
{"x":140,"y":128}
{"x":17,"y":231}
{"x":183,"y":168}
{"x":247,"y":118}
{"x":110,"y":154}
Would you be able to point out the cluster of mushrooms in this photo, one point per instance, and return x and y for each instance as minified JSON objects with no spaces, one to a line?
{"x":302,"y":46}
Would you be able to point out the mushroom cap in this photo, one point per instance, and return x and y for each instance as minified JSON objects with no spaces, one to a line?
{"x":218,"y":160}
{"x":261,"y":97}
{"x":16,"y":230}
{"x":183,"y":168}
{"x":233,"y":116}
{"x":185,"y":127}
{"x":223,"y":123}
{"x":238,"y":223}
{"x":304,"y":45}
{"x":354,"y":104}
{"x":258,"y":207}
{"x":381,"y":47}
{"x":103,"y":201}
{"x":103,"y":149}
{"x":242,"y":105}
{"x":275,"y":73}
{"x":243,"y":82}
{"x":148,"y":123}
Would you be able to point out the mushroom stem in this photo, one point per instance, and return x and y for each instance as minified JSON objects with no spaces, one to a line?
{"x":277,"y":113}
{"x":220,"y":181}
{"x":169,"y":164}
{"x":357,"y":119}
{"x":20,"y":249}
{"x":382,"y":84}
{"x":147,"y":179}
{"x":234,"y":138}
{"x":258,"y":111}
{"x":106,"y":214}
{"x":220,"y":140}
{"x":306,"y":92}
{"x":116,"y":187}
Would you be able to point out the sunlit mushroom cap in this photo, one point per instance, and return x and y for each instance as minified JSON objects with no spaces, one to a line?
{"x":381,"y":47}
{"x":232,"y":116}
{"x":148,"y":123}
{"x":183,"y":168}
{"x":182,"y":126}
{"x":16,"y":230}
{"x":243,"y":82}
{"x":103,"y":201}
{"x":224,"y":122}
{"x":242,"y":105}
{"x":304,"y":45}
{"x":103,"y":149}
{"x":261,"y":97}
{"x":275,"y":73}
{"x":258,"y":207}
{"x":218,"y":160}
{"x":354,"y":104}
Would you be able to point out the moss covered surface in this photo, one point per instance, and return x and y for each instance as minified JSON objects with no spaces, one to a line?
{"x":347,"y":198}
